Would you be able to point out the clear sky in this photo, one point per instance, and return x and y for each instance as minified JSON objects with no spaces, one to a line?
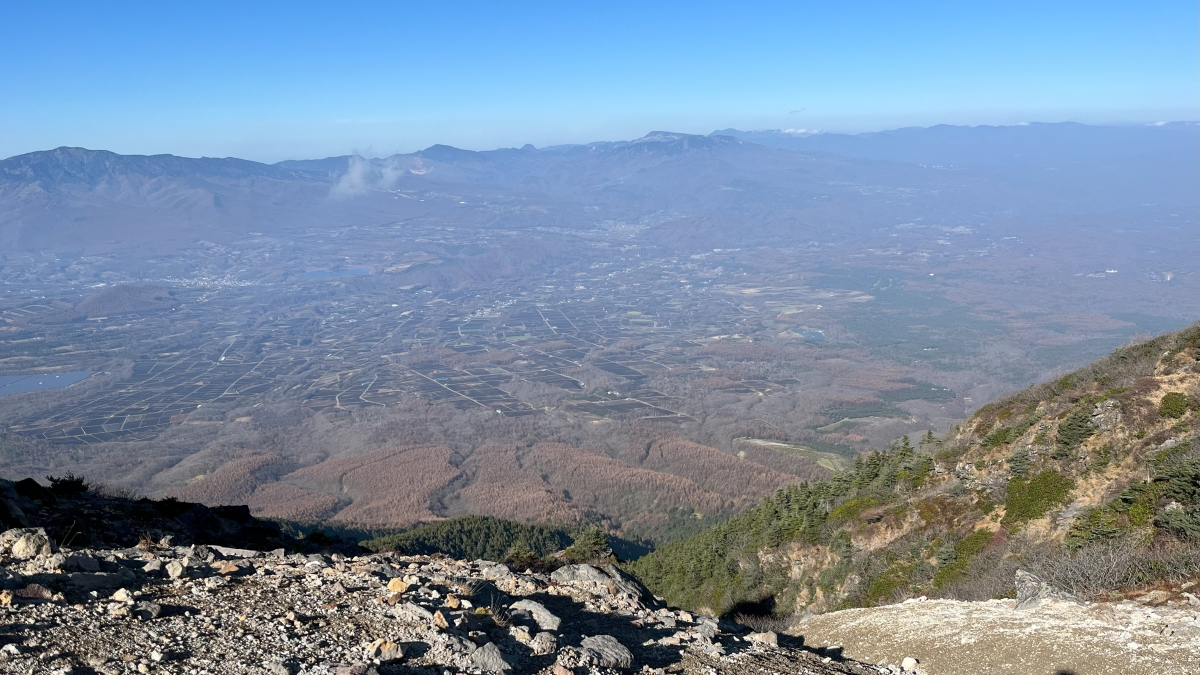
{"x":278,"y":80}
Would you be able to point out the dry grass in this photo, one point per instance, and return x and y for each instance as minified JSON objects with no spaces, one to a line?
{"x":760,"y":623}
{"x":1101,"y":568}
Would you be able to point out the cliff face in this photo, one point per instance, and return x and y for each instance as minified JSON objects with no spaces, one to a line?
{"x":1092,"y":480}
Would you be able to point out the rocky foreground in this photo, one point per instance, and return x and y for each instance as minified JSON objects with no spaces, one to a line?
{"x":158,"y":608}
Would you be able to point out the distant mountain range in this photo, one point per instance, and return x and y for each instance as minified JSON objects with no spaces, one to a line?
{"x":1034,"y":145}
{"x":769,"y":184}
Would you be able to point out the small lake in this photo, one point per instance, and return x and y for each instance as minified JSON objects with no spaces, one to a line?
{"x":20,"y":384}
{"x":334,"y":274}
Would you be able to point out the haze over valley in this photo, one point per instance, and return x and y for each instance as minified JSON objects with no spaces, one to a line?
{"x":649,"y":334}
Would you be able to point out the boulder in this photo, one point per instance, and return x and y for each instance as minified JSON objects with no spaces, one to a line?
{"x":32,"y":545}
{"x":95,"y":581}
{"x":489,"y":659}
{"x":607,"y":651}
{"x":175,"y":569}
{"x":385,"y":650}
{"x":608,"y":581}
{"x":147,"y":611}
{"x":537,"y":612}
{"x":544,"y":643}
{"x":764,"y":638}
{"x":414,"y":613}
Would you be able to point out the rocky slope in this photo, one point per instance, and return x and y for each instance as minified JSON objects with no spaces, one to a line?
{"x":211,"y":609}
{"x":1092,"y":481}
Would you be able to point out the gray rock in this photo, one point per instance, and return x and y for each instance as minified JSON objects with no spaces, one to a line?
{"x":10,"y":537}
{"x":579,"y":574}
{"x":385,"y":650}
{"x":544,"y":643}
{"x":607,"y":652}
{"x":80,"y":562}
{"x":32,"y":545}
{"x":95,"y":581}
{"x":10,"y":580}
{"x":537,"y":612}
{"x":489,"y":659}
{"x":175,"y":569}
{"x":227,"y":552}
{"x":147,"y":611}
{"x":607,"y":581}
{"x":414,"y":612}
{"x":764,"y":638}
{"x":492,"y":571}
{"x":1032,"y":591}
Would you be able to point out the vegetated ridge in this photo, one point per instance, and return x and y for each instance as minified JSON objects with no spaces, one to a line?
{"x":1092,"y":481}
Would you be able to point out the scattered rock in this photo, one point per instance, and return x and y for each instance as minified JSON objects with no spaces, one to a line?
{"x":397,"y":585}
{"x":909,"y":663}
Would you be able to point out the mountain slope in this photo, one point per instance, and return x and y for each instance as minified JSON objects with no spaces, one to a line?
{"x":1102,"y":464}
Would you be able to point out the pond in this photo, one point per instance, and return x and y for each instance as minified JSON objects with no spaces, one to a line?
{"x":20,"y":384}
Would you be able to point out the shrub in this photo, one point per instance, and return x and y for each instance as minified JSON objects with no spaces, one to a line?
{"x":1000,"y":437}
{"x":1106,"y":566}
{"x":1075,"y":428}
{"x":1032,"y":498}
{"x":1174,"y":405}
{"x":851,"y":509}
{"x":1018,"y":463}
{"x":964,"y":552}
{"x":70,"y":484}
{"x":590,"y":544}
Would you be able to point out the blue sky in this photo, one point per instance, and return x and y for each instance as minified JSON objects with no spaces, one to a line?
{"x":271,"y":81}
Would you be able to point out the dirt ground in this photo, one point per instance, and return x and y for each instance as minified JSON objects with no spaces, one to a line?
{"x":949,"y":637}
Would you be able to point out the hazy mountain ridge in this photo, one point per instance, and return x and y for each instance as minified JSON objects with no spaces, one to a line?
{"x":1020,"y":145}
{"x":763,"y":182}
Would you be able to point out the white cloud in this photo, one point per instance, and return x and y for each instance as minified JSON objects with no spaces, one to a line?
{"x":363,"y":175}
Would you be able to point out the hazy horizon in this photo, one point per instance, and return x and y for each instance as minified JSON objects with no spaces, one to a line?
{"x":797,"y":133}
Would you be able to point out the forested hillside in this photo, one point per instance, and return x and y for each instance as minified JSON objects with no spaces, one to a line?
{"x":1092,"y":480}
